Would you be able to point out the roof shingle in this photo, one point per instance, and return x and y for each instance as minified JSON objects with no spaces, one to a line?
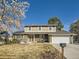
{"x":50,"y":33}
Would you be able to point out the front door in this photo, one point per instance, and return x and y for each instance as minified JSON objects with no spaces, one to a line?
{"x":46,"y":38}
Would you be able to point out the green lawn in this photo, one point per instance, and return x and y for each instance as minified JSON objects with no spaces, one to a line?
{"x":29,"y":51}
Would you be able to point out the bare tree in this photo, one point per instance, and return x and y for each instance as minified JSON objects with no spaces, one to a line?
{"x":11,"y":14}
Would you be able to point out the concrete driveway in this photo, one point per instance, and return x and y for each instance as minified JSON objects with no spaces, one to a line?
{"x":71,"y":51}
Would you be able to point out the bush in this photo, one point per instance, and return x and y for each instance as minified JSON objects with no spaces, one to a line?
{"x":14,"y":41}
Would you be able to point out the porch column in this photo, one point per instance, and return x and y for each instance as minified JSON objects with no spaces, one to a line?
{"x":31,"y":38}
{"x":28,"y":39}
{"x":34,"y":38}
{"x":40,"y":37}
{"x":23,"y":37}
{"x":71,"y":39}
{"x":43,"y":36}
{"x":50,"y":38}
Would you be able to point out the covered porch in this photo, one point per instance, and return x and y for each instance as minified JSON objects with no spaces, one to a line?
{"x":37,"y":38}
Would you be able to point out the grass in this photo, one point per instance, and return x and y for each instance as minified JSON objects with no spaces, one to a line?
{"x":29,"y":51}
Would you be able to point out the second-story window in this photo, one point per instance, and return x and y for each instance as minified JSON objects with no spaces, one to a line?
{"x":39,"y":28}
{"x":50,"y":28}
{"x":29,"y":28}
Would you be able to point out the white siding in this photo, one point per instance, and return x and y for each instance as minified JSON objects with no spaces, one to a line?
{"x":43,"y":29}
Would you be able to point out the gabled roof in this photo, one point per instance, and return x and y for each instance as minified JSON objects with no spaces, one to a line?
{"x":38,"y":25}
{"x":49,"y":33}
{"x":62,"y":32}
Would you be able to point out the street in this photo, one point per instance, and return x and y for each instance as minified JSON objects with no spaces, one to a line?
{"x":71,"y":51}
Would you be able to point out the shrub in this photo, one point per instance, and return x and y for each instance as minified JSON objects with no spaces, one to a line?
{"x":14,"y":41}
{"x":31,"y":51}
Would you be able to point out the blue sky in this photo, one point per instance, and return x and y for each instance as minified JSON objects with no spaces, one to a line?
{"x":41,"y":10}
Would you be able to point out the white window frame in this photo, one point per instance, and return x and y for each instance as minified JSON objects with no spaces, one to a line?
{"x":30,"y":28}
{"x":39,"y":28}
{"x":50,"y":28}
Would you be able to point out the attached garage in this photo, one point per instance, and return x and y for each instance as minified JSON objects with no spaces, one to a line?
{"x":61,"y":37}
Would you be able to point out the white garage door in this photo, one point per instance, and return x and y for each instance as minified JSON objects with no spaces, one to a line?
{"x":60,"y":40}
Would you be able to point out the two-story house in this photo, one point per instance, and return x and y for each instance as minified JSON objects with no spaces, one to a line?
{"x":44,"y":33}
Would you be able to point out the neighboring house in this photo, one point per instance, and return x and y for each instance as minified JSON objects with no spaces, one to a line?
{"x":2,"y":39}
{"x":43,"y":33}
{"x":3,"y":36}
